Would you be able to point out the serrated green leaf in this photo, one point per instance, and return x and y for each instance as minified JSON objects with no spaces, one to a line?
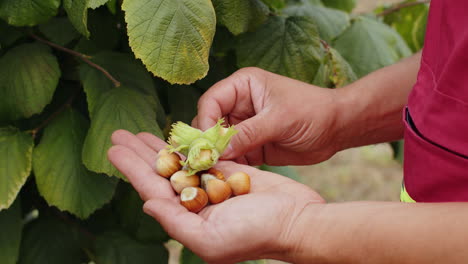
{"x":322,"y":78}
{"x":341,"y":72}
{"x":49,"y":241}
{"x":127,"y":70}
{"x":96,"y":3}
{"x":330,"y":22}
{"x":134,"y":221}
{"x":240,"y":16}
{"x":77,"y":11}
{"x":122,"y":66}
{"x":282,"y":170}
{"x":29,"y":74}
{"x":28,"y":12}
{"x":172,"y":38}
{"x":335,"y":71}
{"x":368,"y":45}
{"x":183,"y":102}
{"x":119,"y":108}
{"x":118,"y":248}
{"x":10,"y":233}
{"x":15,"y":163}
{"x":410,"y":22}
{"x":61,"y":177}
{"x":345,"y":5}
{"x":59,"y":30}
{"x":287,"y":46}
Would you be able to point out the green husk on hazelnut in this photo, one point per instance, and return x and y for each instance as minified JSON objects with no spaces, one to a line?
{"x":202,"y":149}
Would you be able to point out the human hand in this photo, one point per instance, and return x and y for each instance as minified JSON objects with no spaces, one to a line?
{"x":257,"y":225}
{"x":281,"y":121}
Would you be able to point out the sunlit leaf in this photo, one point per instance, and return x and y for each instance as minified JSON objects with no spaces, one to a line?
{"x":172,"y":38}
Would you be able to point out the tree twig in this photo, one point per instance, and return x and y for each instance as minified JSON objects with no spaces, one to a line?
{"x":55,"y":114}
{"x":402,"y":5}
{"x":82,"y":56}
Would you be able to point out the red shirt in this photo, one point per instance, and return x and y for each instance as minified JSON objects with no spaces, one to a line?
{"x":436,"y":148}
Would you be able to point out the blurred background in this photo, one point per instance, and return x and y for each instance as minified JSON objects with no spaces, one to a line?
{"x":365,"y":173}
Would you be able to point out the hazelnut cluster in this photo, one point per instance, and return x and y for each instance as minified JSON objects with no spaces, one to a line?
{"x":196,"y":190}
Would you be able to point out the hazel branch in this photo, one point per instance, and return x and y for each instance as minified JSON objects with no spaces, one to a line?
{"x":82,"y":56}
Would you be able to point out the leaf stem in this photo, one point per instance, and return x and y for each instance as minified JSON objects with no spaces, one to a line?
{"x":55,"y":114}
{"x":82,"y":56}
{"x":402,"y":5}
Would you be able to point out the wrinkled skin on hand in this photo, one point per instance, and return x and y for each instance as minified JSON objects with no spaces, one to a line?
{"x":281,"y":121}
{"x":253,"y":226}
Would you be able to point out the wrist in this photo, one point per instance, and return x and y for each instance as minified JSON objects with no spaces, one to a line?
{"x":300,"y":242}
{"x":365,"y":118}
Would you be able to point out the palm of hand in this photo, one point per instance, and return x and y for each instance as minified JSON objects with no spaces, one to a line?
{"x":238,"y":229}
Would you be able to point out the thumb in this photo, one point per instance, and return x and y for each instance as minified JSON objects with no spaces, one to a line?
{"x":253,"y":133}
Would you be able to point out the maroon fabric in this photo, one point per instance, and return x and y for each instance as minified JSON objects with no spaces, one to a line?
{"x":436,"y":163}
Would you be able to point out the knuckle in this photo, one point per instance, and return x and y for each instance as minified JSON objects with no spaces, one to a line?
{"x":247,"y":135}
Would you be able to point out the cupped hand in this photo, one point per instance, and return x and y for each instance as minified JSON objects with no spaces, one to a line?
{"x":281,"y":121}
{"x":257,"y":225}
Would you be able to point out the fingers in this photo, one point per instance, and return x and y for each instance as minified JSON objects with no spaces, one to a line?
{"x":129,"y":140}
{"x":232,"y":94}
{"x":143,"y":178}
{"x":179,"y":223}
{"x":152,"y":141}
{"x":253,"y":133}
{"x":195,"y":122}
